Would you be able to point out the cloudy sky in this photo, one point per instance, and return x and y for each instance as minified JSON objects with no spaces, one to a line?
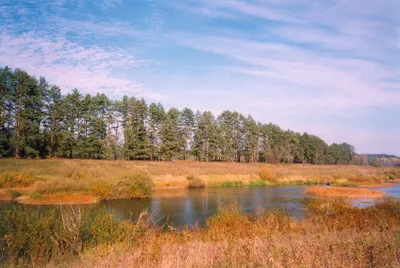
{"x":327,"y":67}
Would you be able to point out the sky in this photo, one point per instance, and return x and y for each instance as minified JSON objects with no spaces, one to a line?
{"x":325,"y":67}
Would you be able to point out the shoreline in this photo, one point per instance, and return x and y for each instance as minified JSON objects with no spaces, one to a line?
{"x":65,"y":181}
{"x":87,"y":199}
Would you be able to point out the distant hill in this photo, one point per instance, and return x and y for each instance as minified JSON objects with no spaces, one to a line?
{"x":377,"y":159}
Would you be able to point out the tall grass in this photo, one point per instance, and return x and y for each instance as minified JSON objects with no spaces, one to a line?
{"x":16,"y":179}
{"x":368,"y":237}
{"x":195,"y":181}
{"x":28,"y":237}
{"x":133,"y":185}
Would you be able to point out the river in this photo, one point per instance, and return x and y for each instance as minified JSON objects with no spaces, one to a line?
{"x":188,"y":206}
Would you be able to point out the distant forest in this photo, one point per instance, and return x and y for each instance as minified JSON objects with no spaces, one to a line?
{"x":38,"y":121}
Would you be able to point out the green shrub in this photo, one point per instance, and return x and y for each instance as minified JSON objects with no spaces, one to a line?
{"x":268,"y":174}
{"x":16,"y":179}
{"x":195,"y":181}
{"x":138,"y":185}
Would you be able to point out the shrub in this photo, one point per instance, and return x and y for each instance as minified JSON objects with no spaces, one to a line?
{"x":16,"y":179}
{"x":267,"y":174}
{"x":101,"y":189}
{"x":195,"y":181}
{"x":139,"y":185}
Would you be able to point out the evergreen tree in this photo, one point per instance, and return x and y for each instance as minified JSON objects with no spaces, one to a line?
{"x":157,"y":116}
{"x":187,"y":123}
{"x":171,"y":136}
{"x":6,"y":115}
{"x":37,"y":120}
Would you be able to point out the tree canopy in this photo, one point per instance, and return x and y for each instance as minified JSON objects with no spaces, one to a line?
{"x":36,"y":120}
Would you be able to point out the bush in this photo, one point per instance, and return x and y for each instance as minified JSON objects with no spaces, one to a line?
{"x":267,"y":174}
{"x":16,"y":179}
{"x":195,"y":181}
{"x":101,"y":189}
{"x":137,"y":186}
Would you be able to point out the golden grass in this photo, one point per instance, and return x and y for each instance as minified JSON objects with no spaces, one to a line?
{"x":57,"y":199}
{"x":335,"y":235}
{"x":344,"y":192}
{"x":102,"y":177}
{"x":16,"y":179}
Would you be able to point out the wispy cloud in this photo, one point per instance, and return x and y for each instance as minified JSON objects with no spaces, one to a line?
{"x":309,"y":65}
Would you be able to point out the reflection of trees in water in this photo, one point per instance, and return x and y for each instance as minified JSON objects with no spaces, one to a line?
{"x":196,"y":205}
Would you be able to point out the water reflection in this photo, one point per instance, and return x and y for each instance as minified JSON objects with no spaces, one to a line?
{"x":185,"y":207}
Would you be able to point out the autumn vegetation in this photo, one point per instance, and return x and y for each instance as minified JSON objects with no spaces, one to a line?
{"x":344,"y":192}
{"x":61,"y":180}
{"x":331,"y":234}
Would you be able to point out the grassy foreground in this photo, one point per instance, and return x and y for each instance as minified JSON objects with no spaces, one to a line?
{"x":332,"y":234}
{"x":57,"y":181}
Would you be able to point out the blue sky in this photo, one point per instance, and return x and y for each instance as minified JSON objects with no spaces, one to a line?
{"x":327,"y":67}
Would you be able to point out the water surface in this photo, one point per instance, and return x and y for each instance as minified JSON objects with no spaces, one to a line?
{"x":188,"y":206}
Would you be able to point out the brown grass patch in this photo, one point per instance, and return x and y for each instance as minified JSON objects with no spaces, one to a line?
{"x":57,"y":199}
{"x":344,"y":192}
{"x":5,"y":195}
{"x":380,"y":185}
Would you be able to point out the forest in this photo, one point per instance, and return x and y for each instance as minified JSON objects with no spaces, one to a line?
{"x":38,"y":121}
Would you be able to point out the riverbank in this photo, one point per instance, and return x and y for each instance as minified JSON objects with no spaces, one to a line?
{"x":40,"y":181}
{"x":329,"y":231}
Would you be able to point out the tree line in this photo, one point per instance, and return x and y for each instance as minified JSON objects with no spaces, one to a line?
{"x":38,"y":121}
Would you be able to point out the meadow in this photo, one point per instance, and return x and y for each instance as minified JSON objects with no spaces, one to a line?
{"x":57,"y":181}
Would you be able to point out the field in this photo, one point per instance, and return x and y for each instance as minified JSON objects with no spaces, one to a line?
{"x":62,"y":180}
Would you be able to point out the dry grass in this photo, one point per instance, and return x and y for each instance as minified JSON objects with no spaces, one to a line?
{"x":332,"y":235}
{"x":195,"y":181}
{"x":268,"y":174}
{"x":344,"y":192}
{"x":16,"y":179}
{"x":102,"y":178}
{"x":56,"y":199}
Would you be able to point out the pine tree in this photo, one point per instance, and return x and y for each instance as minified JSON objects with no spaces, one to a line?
{"x":171,"y":136}
{"x":187,"y":123}
{"x":37,"y":120}
{"x":6,"y":115}
{"x":157,"y":116}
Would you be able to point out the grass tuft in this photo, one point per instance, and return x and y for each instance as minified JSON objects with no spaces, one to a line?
{"x":16,"y":179}
{"x":195,"y":181}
